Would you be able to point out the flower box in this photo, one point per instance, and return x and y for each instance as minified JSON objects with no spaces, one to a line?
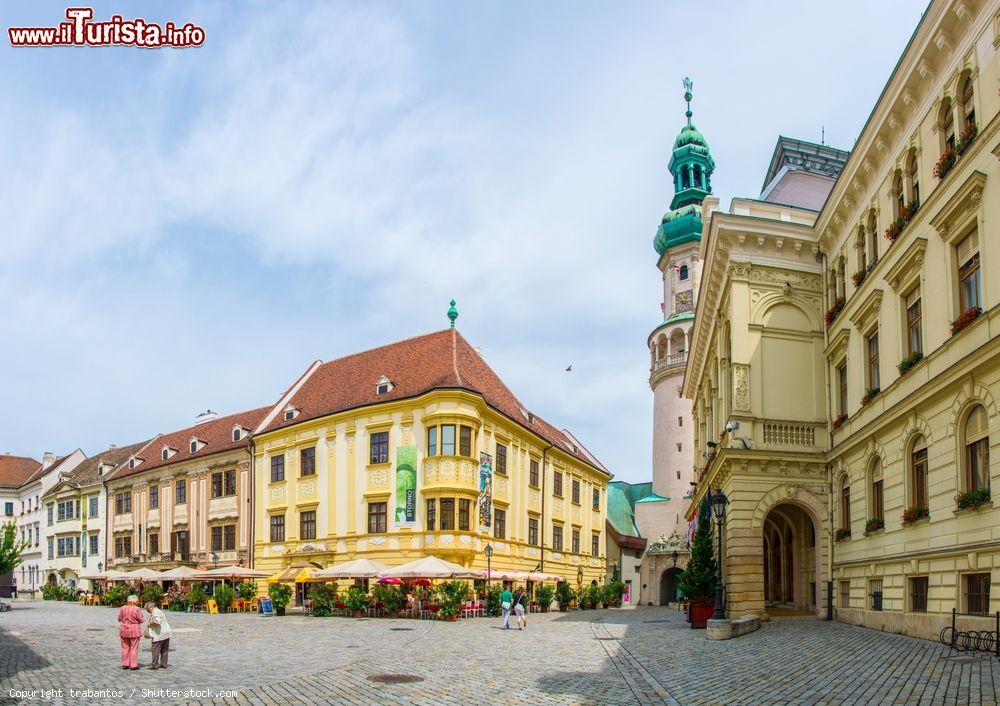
{"x":834,"y":311}
{"x":972,"y":499}
{"x":839,"y":421}
{"x":965,"y":140}
{"x":859,"y":277}
{"x":873,"y":525}
{"x":945,"y":162}
{"x":965,"y":318}
{"x":906,"y":214}
{"x":908,"y":362}
{"x":870,"y":394}
{"x":913,"y":514}
{"x":842,"y":534}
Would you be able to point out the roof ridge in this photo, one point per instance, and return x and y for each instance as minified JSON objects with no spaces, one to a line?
{"x":384,"y":345}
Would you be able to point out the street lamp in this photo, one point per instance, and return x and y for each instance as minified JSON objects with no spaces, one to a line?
{"x":489,"y":555}
{"x":215,"y":559}
{"x":673,"y":574}
{"x":719,"y":502}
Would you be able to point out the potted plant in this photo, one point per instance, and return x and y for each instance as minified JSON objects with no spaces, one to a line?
{"x":565,"y":595}
{"x":965,"y":318}
{"x":450,"y":596}
{"x":356,"y":601}
{"x":873,"y":525}
{"x":870,"y":394}
{"x":831,"y":314}
{"x":908,"y":362}
{"x":176,"y":595}
{"x":965,"y":140}
{"x":281,"y":595}
{"x":841,"y":534}
{"x":972,"y":499}
{"x":912,"y":514}
{"x":247,"y":590}
{"x":839,"y":421}
{"x":545,"y":594}
{"x":945,"y":162}
{"x":389,"y":596}
{"x":224,"y":596}
{"x":493,"y":598}
{"x":151,"y":593}
{"x":859,"y":277}
{"x":324,"y":598}
{"x":697,"y":581}
{"x":116,"y":595}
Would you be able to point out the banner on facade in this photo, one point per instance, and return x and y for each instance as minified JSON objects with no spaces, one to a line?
{"x":406,"y":485}
{"x":485,"y":491}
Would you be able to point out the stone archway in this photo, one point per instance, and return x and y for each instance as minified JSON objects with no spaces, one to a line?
{"x":52,"y":580}
{"x":791,"y":573}
{"x":668,"y":585}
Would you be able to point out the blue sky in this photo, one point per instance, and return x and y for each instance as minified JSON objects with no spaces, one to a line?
{"x":188,"y":229}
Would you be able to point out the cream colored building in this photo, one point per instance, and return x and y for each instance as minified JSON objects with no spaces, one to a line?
{"x":857,"y":348}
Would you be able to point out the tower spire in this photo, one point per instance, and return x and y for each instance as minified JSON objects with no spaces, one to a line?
{"x":688,"y":85}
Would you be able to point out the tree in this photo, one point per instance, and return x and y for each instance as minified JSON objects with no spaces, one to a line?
{"x":698,"y":579}
{"x":10,"y":548}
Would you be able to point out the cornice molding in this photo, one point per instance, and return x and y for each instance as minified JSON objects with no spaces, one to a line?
{"x":964,"y":202}
{"x":867,"y":312}
{"x":907,"y":266}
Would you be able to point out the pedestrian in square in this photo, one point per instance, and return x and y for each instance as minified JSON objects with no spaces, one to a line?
{"x":158,"y":630}
{"x":130,"y":631}
{"x":520,"y":603}
{"x":506,"y":597}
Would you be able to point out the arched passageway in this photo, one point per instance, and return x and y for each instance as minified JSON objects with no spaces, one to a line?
{"x":668,"y":585}
{"x":791,"y":560}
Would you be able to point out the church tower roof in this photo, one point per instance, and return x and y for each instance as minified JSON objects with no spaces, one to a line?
{"x":691,"y":166}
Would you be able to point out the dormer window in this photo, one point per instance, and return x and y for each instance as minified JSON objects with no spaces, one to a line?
{"x":291,"y":412}
{"x":194,"y":446}
{"x":237,"y":433}
{"x":131,"y":463}
{"x":384,"y":386}
{"x":165,"y":454}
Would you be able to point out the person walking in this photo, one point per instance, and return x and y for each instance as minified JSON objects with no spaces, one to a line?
{"x":520,"y":603}
{"x":130,"y":631}
{"x":158,"y":630}
{"x":506,"y":597}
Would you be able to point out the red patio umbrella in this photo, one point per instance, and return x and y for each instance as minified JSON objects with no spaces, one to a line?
{"x":388,"y":579}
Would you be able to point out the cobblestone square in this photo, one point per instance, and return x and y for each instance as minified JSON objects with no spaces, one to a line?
{"x":646,"y":655}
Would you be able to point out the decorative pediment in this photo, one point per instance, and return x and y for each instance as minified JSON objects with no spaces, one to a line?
{"x":907,"y":268}
{"x":837,"y":348}
{"x":865,"y":316}
{"x":951,"y":218}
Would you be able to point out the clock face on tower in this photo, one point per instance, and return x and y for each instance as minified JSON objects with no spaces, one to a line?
{"x":683,"y":301}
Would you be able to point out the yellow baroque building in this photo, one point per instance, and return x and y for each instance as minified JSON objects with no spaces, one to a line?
{"x":418,"y":448}
{"x":845,"y":360}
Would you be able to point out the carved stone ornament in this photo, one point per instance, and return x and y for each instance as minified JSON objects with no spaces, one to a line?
{"x":741,"y":387}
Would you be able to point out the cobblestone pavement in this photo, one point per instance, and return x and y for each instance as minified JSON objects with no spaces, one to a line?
{"x":642,"y":656}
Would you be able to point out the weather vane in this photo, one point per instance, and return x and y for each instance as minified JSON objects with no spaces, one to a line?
{"x":688,"y":85}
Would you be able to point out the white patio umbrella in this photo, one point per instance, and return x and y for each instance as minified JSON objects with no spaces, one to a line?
{"x":114,"y":575}
{"x":141,"y":575}
{"x":357,"y":569}
{"x":178,"y":573}
{"x":94,"y":576}
{"x":430,"y":567}
{"x":231,"y":572}
{"x":545,"y":578}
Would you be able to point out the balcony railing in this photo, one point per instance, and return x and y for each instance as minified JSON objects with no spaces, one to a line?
{"x":669,"y":361}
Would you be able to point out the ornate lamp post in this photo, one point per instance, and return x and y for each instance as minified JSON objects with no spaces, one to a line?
{"x":215,"y":560}
{"x":489,"y":555}
{"x":673,"y":575}
{"x":719,"y":502}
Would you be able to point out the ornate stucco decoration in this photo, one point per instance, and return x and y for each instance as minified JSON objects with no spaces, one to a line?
{"x":951,"y":218}
{"x":866,"y":315}
{"x":902,"y":275}
{"x":667,"y":544}
{"x":741,"y":387}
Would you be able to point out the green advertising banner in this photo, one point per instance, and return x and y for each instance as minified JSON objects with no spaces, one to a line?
{"x":406,"y":485}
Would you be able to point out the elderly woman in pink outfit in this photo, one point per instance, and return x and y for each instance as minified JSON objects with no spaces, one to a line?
{"x":130,"y":632}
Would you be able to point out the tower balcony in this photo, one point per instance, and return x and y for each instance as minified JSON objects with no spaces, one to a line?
{"x":667,"y":365}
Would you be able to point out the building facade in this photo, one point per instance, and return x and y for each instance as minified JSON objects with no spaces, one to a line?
{"x":185,"y":498}
{"x":418,"y":448}
{"x":33,"y":528}
{"x":845,"y":362}
{"x":14,"y":471}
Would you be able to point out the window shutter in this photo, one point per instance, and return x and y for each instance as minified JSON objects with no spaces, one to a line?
{"x":976,"y":426}
{"x":968,"y":248}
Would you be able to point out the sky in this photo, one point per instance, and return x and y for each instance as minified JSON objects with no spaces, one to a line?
{"x":189,"y":229}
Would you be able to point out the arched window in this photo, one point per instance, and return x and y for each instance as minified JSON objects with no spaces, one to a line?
{"x":946,"y":121}
{"x":237,"y":433}
{"x":860,"y":245}
{"x":872,"y":239}
{"x":683,"y":272}
{"x":918,"y":473}
{"x":845,"y":504}
{"x":194,"y":446}
{"x":898,"y":199}
{"x":977,"y":449}
{"x":697,"y":177}
{"x":911,"y":171}
{"x":685,"y":178}
{"x":876,"y":491}
{"x":967,"y":104}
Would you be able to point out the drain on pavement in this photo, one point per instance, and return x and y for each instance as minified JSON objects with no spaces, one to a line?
{"x":401,"y":629}
{"x":395,"y":678}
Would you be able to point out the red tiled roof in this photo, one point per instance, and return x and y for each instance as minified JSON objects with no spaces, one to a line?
{"x":440,"y":360}
{"x":88,"y":471}
{"x":16,"y":470}
{"x":39,"y":472}
{"x":217,"y":436}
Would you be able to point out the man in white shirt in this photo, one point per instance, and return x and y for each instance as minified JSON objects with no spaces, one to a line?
{"x":158,"y":630}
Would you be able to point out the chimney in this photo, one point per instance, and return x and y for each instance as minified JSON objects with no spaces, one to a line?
{"x":204,"y":417}
{"x":48,"y":458}
{"x":111,"y":446}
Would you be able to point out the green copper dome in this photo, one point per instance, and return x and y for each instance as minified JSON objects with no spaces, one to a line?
{"x":689,"y":135}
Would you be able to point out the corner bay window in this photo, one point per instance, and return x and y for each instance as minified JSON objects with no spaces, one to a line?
{"x":307,"y":461}
{"x":377,"y":518}
{"x":447,"y":513}
{"x":431,"y":514}
{"x":277,"y":468}
{"x":968,"y":272}
{"x":533,"y":531}
{"x":378,"y":447}
{"x":446,"y":434}
{"x":499,"y":523}
{"x":307,"y":524}
{"x":277,"y":528}
{"x":465,"y":441}
{"x":463,"y":515}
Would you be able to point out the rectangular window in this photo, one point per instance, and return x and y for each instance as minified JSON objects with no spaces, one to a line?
{"x":557,"y":538}
{"x":875,"y":593}
{"x":229,"y":482}
{"x":153,"y":542}
{"x":501,"y":459}
{"x":123,"y":503}
{"x":123,"y":545}
{"x":307,"y":524}
{"x":842,"y":388}
{"x":596,"y":505}
{"x":463,"y":515}
{"x":277,"y":528}
{"x":595,"y":545}
{"x":968,"y":272}
{"x":180,"y":492}
{"x":447,"y":513}
{"x":49,"y":511}
{"x":533,"y":531}
{"x":431,"y":514}
{"x":277,"y":468}
{"x":154,"y":497}
{"x":576,"y":492}
{"x":94,"y":549}
{"x":977,"y":593}
{"x":680,"y":421}
{"x":52,"y":551}
{"x":533,"y":473}
{"x":557,"y":483}
{"x":919,"y":463}
{"x":447,"y":439}
{"x":464,"y":441}
{"x":918,"y":594}
{"x":94,"y":510}
{"x":872,"y":348}
{"x":878,"y":500}
{"x":576,"y":541}
{"x":913,"y":323}
{"x":377,"y":518}
{"x":229,"y":537}
{"x":845,"y":594}
{"x":500,"y":523}
{"x":378,"y":447}
{"x":217,"y":538}
{"x":217,"y":485}
{"x":8,"y":509}
{"x":307,"y":461}
{"x":432,"y":441}
{"x":978,"y":463}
